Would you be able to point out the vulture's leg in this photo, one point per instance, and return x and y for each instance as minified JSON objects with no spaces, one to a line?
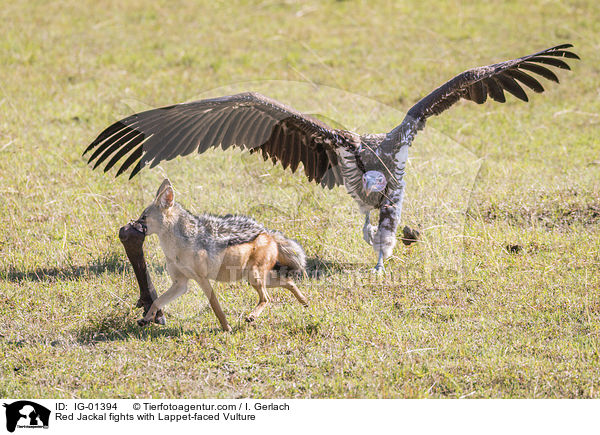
{"x":368,"y":229}
{"x":389,"y":217}
{"x":379,"y":266}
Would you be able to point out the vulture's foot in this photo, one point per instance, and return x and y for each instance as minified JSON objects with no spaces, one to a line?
{"x":369,"y":230}
{"x":379,"y":268}
{"x":369,"y":234}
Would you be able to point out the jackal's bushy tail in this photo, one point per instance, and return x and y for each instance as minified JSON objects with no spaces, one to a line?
{"x":290,"y":253}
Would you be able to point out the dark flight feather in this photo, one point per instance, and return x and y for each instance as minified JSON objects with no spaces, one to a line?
{"x":257,"y":123}
{"x":249,"y":121}
{"x":497,"y":78}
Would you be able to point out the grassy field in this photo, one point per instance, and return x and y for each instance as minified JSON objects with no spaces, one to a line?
{"x":500,"y":299}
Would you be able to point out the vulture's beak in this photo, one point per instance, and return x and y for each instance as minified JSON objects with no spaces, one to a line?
{"x":370,"y":186}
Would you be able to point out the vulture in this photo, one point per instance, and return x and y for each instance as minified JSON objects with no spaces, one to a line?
{"x":371,"y":167}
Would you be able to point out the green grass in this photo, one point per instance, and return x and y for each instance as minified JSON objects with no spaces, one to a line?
{"x":459,"y":314}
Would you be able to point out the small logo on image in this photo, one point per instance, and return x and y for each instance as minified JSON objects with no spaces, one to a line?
{"x":24,"y":414}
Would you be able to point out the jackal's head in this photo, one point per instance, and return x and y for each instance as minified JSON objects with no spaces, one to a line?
{"x":160,"y":211}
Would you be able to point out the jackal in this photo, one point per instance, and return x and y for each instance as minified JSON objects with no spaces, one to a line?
{"x":220,"y":248}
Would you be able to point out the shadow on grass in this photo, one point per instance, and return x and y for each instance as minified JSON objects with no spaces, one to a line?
{"x":310,"y":329}
{"x":120,"y":326}
{"x":114,"y":263}
{"x":317,"y":268}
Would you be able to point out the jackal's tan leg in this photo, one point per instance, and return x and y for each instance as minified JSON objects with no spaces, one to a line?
{"x":179,"y":287}
{"x":275,"y":279}
{"x":291,"y":286}
{"x":258,"y":281}
{"x":214,"y":303}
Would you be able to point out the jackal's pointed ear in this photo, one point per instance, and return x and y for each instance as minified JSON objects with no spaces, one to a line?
{"x":165,"y":196}
{"x":166,"y":183}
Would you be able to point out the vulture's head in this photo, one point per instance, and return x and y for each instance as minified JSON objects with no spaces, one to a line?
{"x":373,"y":181}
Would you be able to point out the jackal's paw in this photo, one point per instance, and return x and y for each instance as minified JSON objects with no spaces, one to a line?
{"x":250,"y":318}
{"x":142,"y":322}
{"x":160,"y":320}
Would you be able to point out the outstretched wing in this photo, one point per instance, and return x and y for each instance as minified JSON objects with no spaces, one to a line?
{"x":249,"y":121}
{"x":478,"y":83}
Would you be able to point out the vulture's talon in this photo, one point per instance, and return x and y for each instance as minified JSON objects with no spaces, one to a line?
{"x":369,"y":234}
{"x":379,"y":269}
